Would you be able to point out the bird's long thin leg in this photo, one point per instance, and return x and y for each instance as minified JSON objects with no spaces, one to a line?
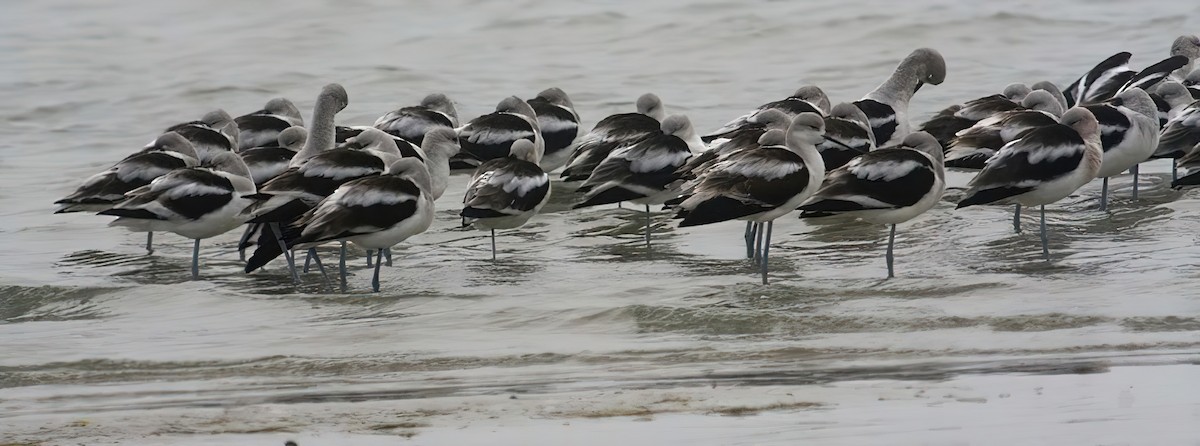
{"x":308,"y":256}
{"x":149,"y":242}
{"x":758,"y":243}
{"x":766,"y":251}
{"x":493,"y":244}
{"x":1174,"y":169}
{"x":342,"y":266}
{"x":312,"y":254}
{"x":891,"y":246}
{"x":1104,"y":194}
{"x":378,"y":263}
{"x":387,"y":256}
{"x":1045,"y":238}
{"x":250,"y":229}
{"x":286,"y":252}
{"x":196,"y":260}
{"x":370,"y":257}
{"x":1017,"y":219}
{"x":750,"y":239}
{"x":647,"y":226}
{"x":1135,"y":181}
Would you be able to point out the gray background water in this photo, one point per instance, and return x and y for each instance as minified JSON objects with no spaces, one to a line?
{"x":89,"y":323}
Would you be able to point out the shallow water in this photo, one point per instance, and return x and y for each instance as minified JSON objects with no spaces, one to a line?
{"x":90,"y":325}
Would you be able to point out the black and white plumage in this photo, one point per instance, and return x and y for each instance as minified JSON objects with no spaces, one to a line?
{"x":491,"y":136}
{"x":215,"y":132}
{"x":374,"y":212}
{"x":103,"y":190}
{"x":1192,"y":82}
{"x":971,"y":148}
{"x":889,"y":186}
{"x":745,"y":138}
{"x":953,"y":119}
{"x":1043,"y":166}
{"x":267,"y":162}
{"x":505,"y":193}
{"x":645,"y":171}
{"x":195,"y":202}
{"x":345,"y":139}
{"x":763,"y":184}
{"x":262,"y":128}
{"x":847,"y":135}
{"x":1187,"y":46}
{"x":1181,"y":135}
{"x":612,"y":132}
{"x":1169,"y":99}
{"x":413,"y":122}
{"x":559,"y":125}
{"x":1113,"y":76}
{"x":806,"y":99}
{"x":887,"y":106}
{"x":1128,"y":135}
{"x":1053,"y":89}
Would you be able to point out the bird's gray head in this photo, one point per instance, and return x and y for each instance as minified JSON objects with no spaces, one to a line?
{"x":333,"y":96}
{"x":813,"y":95}
{"x":678,"y":125}
{"x":849,"y":112}
{"x":1174,"y":93}
{"x":413,"y":169}
{"x":771,"y":119}
{"x":1044,"y":101}
{"x":441,"y":140}
{"x":523,"y":149}
{"x":1049,"y":87}
{"x":1083,"y":121}
{"x":925,"y":143}
{"x":227,"y":162}
{"x":1192,"y":79}
{"x":1016,"y":91}
{"x":927,"y":65}
{"x":217,"y":119}
{"x":556,"y":96}
{"x":1187,"y":46}
{"x":513,"y":104}
{"x":282,"y":107}
{"x":293,"y":137}
{"x":172,"y":142}
{"x":439,"y":102}
{"x":375,"y":139}
{"x":773,"y":137}
{"x":230,"y":130}
{"x":650,"y":105}
{"x":1137,"y":100}
{"x":807,"y":128}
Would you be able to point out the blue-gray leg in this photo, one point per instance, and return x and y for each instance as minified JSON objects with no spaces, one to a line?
{"x":308,"y":259}
{"x":149,"y":243}
{"x":889,"y":257}
{"x":370,"y":257}
{"x":493,"y":245}
{"x":378,"y":263}
{"x":250,"y":230}
{"x":647,"y":226}
{"x":196,"y":260}
{"x":766,"y":251}
{"x":758,"y":243}
{"x":1174,"y":169}
{"x":1135,"y":180}
{"x":750,"y":227}
{"x":286,"y":252}
{"x":312,"y":254}
{"x":1045,"y":238}
{"x":1017,"y":218}
{"x":387,"y":256}
{"x":1104,"y":194}
{"x":342,"y":266}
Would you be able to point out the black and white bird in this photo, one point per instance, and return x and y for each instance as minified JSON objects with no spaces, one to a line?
{"x":262,"y":128}
{"x":344,"y":138}
{"x":439,"y":145}
{"x":195,"y":202}
{"x":612,"y":132}
{"x":1113,"y":76}
{"x":413,"y":122}
{"x":1053,"y":89}
{"x":1128,"y":135}
{"x":559,"y":124}
{"x":505,"y":193}
{"x":269,"y":161}
{"x":890,"y":185}
{"x":945,"y":124}
{"x":1043,"y":166}
{"x":806,"y":99}
{"x":1192,"y":82}
{"x":215,"y":132}
{"x":745,"y":138}
{"x":1187,"y":46}
{"x":847,"y":135}
{"x":763,"y":184}
{"x":645,"y":171}
{"x":101,"y":191}
{"x":1181,"y":135}
{"x":971,"y":148}
{"x":887,"y":106}
{"x":491,"y":136}
{"x":1170,"y":98}
{"x":374,"y":212}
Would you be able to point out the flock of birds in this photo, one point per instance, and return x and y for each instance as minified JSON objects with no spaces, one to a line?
{"x":295,"y":187}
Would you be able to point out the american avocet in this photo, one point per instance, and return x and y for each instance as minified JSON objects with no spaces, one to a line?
{"x":847,"y":135}
{"x":643,"y":172}
{"x":1181,"y":135}
{"x":945,"y":124}
{"x":888,"y":186}
{"x":215,"y":132}
{"x":806,"y":99}
{"x":559,"y":124}
{"x":887,"y":106}
{"x":267,"y":162}
{"x":491,"y":136}
{"x":1113,"y":76}
{"x":505,"y":193}
{"x":972,"y":147}
{"x":375,"y":212}
{"x":1128,"y":135}
{"x":413,"y":122}
{"x":613,"y":132}
{"x":1043,"y":166}
{"x":262,"y":128}
{"x":760,"y":185}
{"x":195,"y":202}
